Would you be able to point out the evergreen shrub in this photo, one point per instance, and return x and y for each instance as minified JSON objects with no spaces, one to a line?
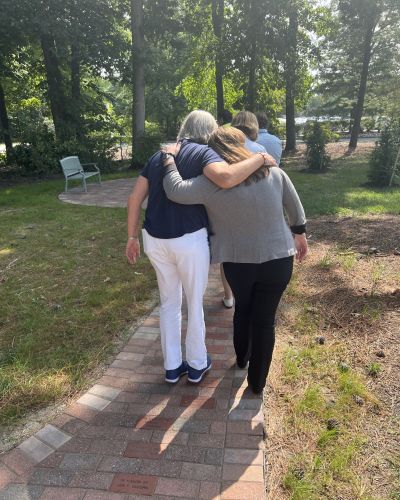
{"x":382,"y":165}
{"x":3,"y":160}
{"x":36,"y":157}
{"x":41,"y":156}
{"x":317,"y":135}
{"x":367,"y":123}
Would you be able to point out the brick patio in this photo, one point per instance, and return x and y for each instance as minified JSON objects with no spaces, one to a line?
{"x":132,"y":436}
{"x":109,"y":194}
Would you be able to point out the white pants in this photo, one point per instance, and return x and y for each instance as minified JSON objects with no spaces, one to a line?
{"x":181,"y":261}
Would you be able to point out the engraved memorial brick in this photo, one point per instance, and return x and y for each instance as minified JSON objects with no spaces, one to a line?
{"x":134,"y":484}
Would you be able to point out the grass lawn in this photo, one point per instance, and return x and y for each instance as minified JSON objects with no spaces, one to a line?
{"x":342,"y":190}
{"x":66,"y":294}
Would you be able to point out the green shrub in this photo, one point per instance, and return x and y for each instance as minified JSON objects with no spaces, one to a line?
{"x":330,"y":130}
{"x":72,"y":147}
{"x":277,"y":128}
{"x":36,"y":158}
{"x":3,"y":160}
{"x":341,"y":125}
{"x":42,"y":155}
{"x":22,"y":157}
{"x":36,"y":155}
{"x":383,"y":168}
{"x":317,"y":135}
{"x":148,"y":145}
{"x":381,"y":122}
{"x":368,"y":123}
{"x":100,"y":147}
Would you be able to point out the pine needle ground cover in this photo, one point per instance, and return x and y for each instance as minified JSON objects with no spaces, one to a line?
{"x":67,"y":294}
{"x":333,"y":403}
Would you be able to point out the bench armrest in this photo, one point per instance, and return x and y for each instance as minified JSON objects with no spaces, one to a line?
{"x":94,"y":164}
{"x":74,"y":173}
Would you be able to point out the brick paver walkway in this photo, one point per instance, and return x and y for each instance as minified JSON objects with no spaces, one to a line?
{"x":132,"y":436}
{"x":109,"y":194}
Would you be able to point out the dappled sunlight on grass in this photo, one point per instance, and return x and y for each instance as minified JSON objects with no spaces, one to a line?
{"x":342,"y":190}
{"x":4,"y":252}
{"x":370,"y":202}
{"x":21,"y":390}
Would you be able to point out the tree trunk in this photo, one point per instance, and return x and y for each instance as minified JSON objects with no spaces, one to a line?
{"x":253,"y":31}
{"x":76,"y":113}
{"x":218,"y":20}
{"x":138,"y":86}
{"x":55,"y":88}
{"x":251,"y":88}
{"x":290,"y":79}
{"x":5,"y":124}
{"x":359,"y":105}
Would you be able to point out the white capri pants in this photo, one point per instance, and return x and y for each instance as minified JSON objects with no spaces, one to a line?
{"x":178,"y":262}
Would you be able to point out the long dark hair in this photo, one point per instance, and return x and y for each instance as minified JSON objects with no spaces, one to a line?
{"x":229,"y":142}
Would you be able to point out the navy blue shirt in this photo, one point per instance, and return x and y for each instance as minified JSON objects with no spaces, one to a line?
{"x":164,"y":218}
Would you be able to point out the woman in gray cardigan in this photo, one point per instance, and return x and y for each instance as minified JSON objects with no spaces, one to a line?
{"x":249,"y":234}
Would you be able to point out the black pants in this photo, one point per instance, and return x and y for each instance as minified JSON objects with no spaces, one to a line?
{"x":257,"y":289}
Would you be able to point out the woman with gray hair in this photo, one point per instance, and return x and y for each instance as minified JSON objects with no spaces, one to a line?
{"x":175,"y":241}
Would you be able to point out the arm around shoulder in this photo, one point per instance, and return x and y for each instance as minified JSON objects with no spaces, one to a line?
{"x":187,"y":192}
{"x":227,"y":176}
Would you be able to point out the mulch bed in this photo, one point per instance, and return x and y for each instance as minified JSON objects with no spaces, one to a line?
{"x":352,"y":279}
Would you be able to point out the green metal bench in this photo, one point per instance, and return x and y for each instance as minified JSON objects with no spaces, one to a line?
{"x":73,"y":170}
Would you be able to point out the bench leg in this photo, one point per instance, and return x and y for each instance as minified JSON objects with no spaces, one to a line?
{"x":84,"y":185}
{"x":100,"y":179}
{"x":66,"y":185}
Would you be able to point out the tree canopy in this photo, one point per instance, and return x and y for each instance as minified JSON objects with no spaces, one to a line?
{"x":80,"y":77}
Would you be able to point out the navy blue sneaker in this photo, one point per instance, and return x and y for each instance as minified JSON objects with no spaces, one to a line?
{"x":172,"y":376}
{"x":195,"y":376}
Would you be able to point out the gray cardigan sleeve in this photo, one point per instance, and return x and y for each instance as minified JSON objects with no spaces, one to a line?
{"x":187,"y":192}
{"x":291,"y":202}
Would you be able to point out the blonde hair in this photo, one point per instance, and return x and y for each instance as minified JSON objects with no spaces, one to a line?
{"x":246,"y":121}
{"x":229,"y":142}
{"x":197,"y":126}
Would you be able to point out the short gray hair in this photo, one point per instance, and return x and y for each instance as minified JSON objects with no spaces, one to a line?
{"x":197,"y":126}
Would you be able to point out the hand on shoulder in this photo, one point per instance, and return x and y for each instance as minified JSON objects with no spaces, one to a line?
{"x":269,"y":161}
{"x":172,"y":149}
